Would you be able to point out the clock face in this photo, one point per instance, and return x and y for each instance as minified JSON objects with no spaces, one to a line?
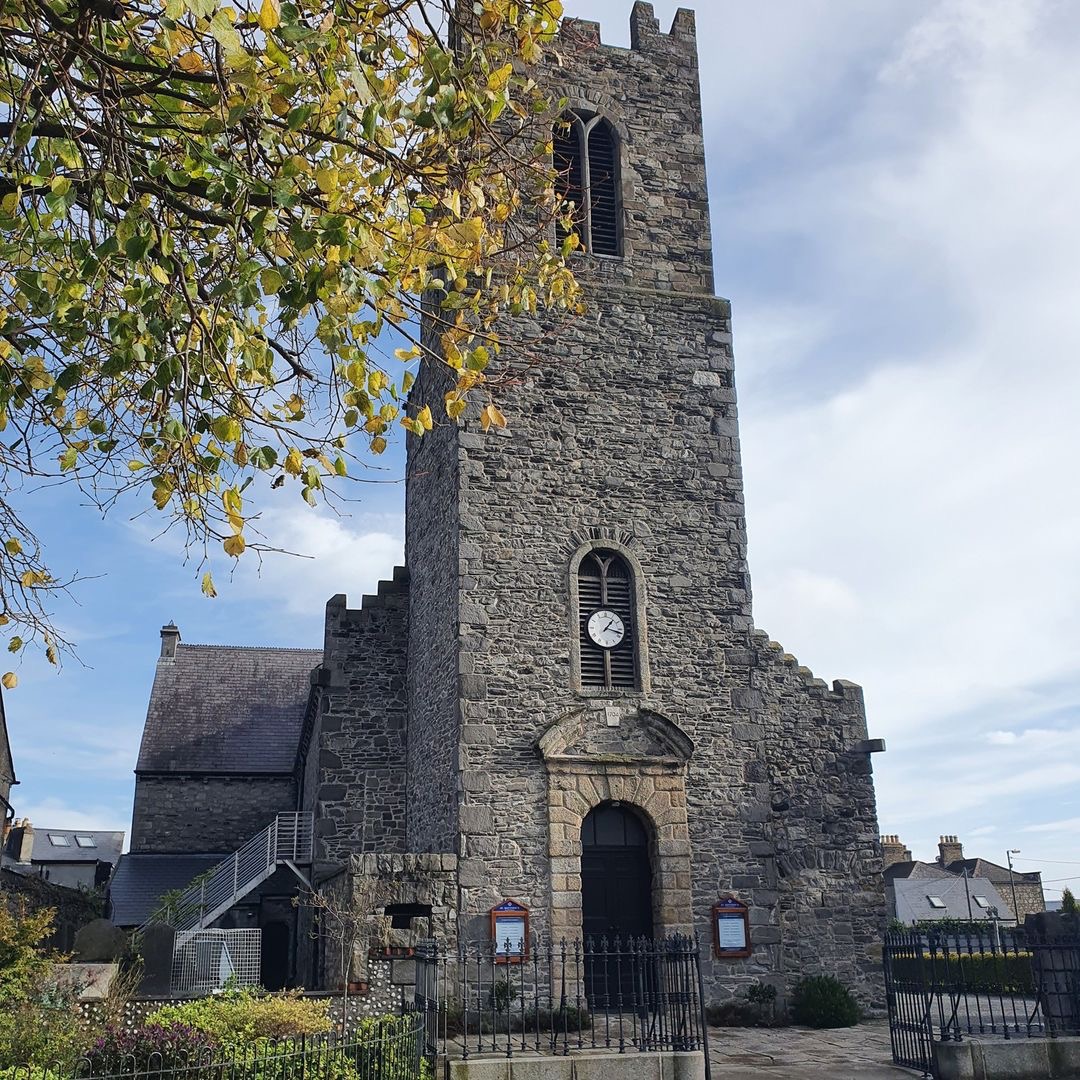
{"x":606,"y":628}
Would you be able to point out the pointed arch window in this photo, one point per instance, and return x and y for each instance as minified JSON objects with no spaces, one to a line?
{"x":607,"y":634}
{"x":586,"y":161}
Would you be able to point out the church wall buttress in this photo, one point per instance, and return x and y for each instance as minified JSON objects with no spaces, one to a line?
{"x":432,"y":547}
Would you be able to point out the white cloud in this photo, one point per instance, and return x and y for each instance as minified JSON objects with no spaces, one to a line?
{"x":333,"y":555}
{"x":55,"y":813}
{"x":917,"y":447}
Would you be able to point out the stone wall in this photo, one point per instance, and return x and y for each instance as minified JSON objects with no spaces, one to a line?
{"x":210,"y":814}
{"x":364,"y":888}
{"x":1029,"y":898}
{"x":354,"y":775}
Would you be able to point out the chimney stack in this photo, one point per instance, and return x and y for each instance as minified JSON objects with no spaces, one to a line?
{"x":19,"y":840}
{"x":170,"y":638}
{"x":950,"y":850}
{"x":893,"y":851}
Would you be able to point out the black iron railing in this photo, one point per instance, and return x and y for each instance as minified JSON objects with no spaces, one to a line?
{"x":618,"y":994}
{"x":942,"y":986}
{"x":390,"y":1049}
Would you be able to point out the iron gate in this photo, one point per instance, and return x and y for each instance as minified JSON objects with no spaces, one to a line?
{"x":911,"y":1027}
{"x":942,"y":986}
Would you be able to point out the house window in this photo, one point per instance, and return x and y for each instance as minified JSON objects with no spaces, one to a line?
{"x":85,"y":841}
{"x":936,"y":902}
{"x":59,"y":840}
{"x":586,"y":161}
{"x":981,"y":901}
{"x":606,"y":630}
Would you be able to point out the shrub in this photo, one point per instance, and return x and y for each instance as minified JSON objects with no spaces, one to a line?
{"x":1006,"y":973}
{"x":238,"y":1018}
{"x":1068,"y":903}
{"x":820,"y":1001}
{"x":25,"y":964}
{"x":150,"y":1048}
{"x":39,"y":1020}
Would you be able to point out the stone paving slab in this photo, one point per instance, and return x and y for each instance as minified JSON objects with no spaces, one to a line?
{"x":794,"y":1053}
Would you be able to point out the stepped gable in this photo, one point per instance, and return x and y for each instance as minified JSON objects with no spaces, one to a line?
{"x":226,"y":709}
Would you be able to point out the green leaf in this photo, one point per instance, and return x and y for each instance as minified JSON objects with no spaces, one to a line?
{"x":298,"y":117}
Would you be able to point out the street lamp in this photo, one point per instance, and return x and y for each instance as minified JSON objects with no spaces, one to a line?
{"x":1012,"y":882}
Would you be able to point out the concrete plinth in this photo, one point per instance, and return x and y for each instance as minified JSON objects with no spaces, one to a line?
{"x":588,"y":1066}
{"x":1012,"y":1059}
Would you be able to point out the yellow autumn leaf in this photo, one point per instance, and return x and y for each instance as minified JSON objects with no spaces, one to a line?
{"x":234,"y":545}
{"x":327,"y":179}
{"x":497,"y":80}
{"x":10,"y":680}
{"x":294,"y":463}
{"x":378,"y":444}
{"x":269,"y":14}
{"x":492,"y":416}
{"x":50,"y":655}
{"x":208,"y":585}
{"x":191,"y":62}
{"x":424,"y":417}
{"x":13,"y":547}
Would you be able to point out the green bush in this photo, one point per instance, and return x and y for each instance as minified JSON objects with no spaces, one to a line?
{"x":1006,"y":973}
{"x":39,"y":1020}
{"x":820,"y":1001}
{"x":240,"y":1018}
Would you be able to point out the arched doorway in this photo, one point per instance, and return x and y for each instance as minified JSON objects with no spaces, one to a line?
{"x":616,"y":876}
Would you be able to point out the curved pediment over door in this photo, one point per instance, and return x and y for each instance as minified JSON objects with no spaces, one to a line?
{"x":615,"y":734}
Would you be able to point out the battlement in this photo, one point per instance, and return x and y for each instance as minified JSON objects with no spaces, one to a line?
{"x":645,"y":32}
{"x":389,"y":593}
{"x":773,"y":652}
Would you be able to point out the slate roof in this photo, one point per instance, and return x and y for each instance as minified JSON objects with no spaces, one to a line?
{"x":984,"y":868}
{"x":911,"y":903}
{"x":106,"y":846}
{"x":916,"y":869}
{"x":139,"y":882}
{"x":227,"y":709}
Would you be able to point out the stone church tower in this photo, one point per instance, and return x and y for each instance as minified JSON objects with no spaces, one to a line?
{"x":563,"y":699}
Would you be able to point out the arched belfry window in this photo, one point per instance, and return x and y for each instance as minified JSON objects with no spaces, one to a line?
{"x":586,"y":160}
{"x":606,"y":608}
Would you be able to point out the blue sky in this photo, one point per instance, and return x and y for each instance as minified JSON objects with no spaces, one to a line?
{"x":896,"y":220}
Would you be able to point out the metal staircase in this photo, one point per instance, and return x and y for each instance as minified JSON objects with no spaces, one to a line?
{"x":286,"y":841}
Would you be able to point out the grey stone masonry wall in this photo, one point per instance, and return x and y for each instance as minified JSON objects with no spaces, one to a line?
{"x":628,"y":437}
{"x":205,"y":814}
{"x":432,"y":520}
{"x":355,"y":767}
{"x":820,"y":892}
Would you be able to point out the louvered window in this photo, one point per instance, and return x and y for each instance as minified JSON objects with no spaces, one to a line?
{"x":606,"y":585}
{"x":586,"y":160}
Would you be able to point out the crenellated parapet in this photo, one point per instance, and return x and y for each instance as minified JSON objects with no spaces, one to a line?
{"x":772,"y":654}
{"x":645,"y":32}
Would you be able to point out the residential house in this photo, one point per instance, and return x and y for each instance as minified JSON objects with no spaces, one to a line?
{"x":73,"y":858}
{"x":916,"y":890}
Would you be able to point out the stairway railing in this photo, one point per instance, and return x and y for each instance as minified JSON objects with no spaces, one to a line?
{"x":287,"y":839}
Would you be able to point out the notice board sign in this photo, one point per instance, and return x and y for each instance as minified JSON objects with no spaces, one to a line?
{"x":731,"y":929}
{"x":510,"y":932}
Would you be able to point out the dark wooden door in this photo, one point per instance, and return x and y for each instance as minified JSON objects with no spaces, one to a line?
{"x":616,"y":900}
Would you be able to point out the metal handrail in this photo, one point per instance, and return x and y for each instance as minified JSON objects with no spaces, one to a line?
{"x":288,"y":838}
